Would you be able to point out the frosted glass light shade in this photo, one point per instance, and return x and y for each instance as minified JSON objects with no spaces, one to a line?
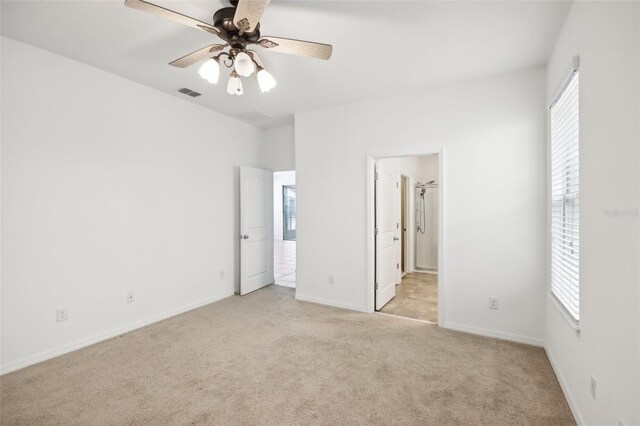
{"x":265,"y":80}
{"x":244,"y":64}
{"x":234,"y":86}
{"x":210,"y":71}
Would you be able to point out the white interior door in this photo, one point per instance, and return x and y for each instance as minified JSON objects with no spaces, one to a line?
{"x":256,"y":229}
{"x":387,"y":190}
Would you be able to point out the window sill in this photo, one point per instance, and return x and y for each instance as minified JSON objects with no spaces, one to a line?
{"x":575,"y":325}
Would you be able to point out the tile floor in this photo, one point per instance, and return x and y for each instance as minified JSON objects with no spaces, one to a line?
{"x":416,"y":297}
{"x":284,"y":256}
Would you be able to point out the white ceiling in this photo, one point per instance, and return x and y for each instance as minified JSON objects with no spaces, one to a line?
{"x":380,"y":47}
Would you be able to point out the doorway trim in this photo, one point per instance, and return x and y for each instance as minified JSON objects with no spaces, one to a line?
{"x":371,"y":255}
{"x":405,"y":183}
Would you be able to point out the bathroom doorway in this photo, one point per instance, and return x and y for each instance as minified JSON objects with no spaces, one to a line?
{"x":407,"y":225}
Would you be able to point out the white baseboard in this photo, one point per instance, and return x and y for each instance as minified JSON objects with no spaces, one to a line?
{"x":512,"y":337}
{"x":565,"y":388}
{"x":332,"y":303}
{"x":426,"y":271}
{"x":405,"y":318}
{"x":87,"y":341}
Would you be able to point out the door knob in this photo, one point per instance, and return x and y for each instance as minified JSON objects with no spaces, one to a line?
{"x":395,"y":238}
{"x":244,"y":237}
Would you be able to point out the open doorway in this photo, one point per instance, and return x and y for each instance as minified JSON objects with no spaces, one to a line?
{"x":284,"y":226}
{"x":407,"y":233}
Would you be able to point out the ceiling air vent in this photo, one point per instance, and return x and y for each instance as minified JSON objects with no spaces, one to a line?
{"x":189,"y":92}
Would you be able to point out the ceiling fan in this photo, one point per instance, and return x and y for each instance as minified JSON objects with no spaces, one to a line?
{"x":239,"y":27}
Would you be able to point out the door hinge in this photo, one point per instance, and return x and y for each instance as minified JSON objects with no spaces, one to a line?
{"x":397,"y":185}
{"x":376,"y":176}
{"x":376,"y":231}
{"x":376,"y":286}
{"x":397,"y":225}
{"x":397,"y":266}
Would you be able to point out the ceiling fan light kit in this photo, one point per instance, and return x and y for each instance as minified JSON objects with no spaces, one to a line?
{"x":238,"y":27}
{"x":244,"y":64}
{"x":234,"y":85}
{"x":210,"y":70}
{"x":266,"y":81}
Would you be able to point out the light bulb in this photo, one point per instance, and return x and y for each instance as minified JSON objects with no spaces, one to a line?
{"x":244,"y":64}
{"x":210,"y":71}
{"x":234,"y":86}
{"x":265,"y":80}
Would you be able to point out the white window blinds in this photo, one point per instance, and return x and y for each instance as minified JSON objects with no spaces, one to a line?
{"x":565,"y":198}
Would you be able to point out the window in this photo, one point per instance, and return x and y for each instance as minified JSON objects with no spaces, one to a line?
{"x":565,"y":198}
{"x":289,"y":212}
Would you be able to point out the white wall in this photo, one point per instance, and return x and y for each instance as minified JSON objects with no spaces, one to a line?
{"x":493,"y":135}
{"x":108,"y":187}
{"x":279,"y":180}
{"x":606,"y":35}
{"x":278,"y":149}
{"x":278,"y":154}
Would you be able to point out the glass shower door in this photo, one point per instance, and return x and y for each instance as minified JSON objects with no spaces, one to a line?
{"x":289,"y":212}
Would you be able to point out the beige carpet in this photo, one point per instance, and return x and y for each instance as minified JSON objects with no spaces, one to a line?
{"x":416,"y":297}
{"x":266,"y":358}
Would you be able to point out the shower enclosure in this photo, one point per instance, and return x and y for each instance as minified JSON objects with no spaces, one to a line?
{"x":427,"y":209}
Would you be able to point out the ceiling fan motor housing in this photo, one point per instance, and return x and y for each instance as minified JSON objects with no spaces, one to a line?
{"x":223,"y":21}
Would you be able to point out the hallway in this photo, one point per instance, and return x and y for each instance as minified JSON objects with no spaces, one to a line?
{"x":284,"y":255}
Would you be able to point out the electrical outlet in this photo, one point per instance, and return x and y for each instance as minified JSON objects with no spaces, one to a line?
{"x":221,"y":274}
{"x":131,"y":297}
{"x":331,"y":280}
{"x":493,"y":303}
{"x":593,"y":387}
{"x":62,"y":314}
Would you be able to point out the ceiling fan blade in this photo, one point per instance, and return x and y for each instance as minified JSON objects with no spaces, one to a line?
{"x":198,"y":55}
{"x":171,"y":15}
{"x":248,"y":14}
{"x":297,"y":47}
